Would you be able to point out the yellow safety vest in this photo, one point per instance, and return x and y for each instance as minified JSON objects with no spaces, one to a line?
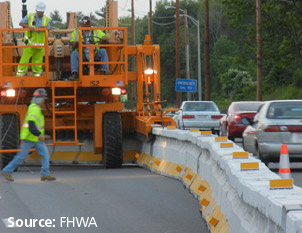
{"x":34,"y":113}
{"x":96,"y":34}
{"x":35,"y":38}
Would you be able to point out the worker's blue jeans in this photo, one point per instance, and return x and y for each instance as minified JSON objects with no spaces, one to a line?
{"x":101,"y":55}
{"x":23,"y":153}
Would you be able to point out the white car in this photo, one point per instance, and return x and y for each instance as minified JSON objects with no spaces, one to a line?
{"x":276,"y":122}
{"x":203,"y":115}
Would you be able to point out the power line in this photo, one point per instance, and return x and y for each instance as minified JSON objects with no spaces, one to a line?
{"x":125,"y":5}
{"x":163,"y":24}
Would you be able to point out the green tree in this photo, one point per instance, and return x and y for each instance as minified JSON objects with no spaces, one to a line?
{"x":56,"y":20}
{"x":237,"y":85}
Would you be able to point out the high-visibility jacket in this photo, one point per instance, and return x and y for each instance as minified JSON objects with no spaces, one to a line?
{"x":34,"y":113}
{"x":35,"y":38}
{"x":97,"y":36}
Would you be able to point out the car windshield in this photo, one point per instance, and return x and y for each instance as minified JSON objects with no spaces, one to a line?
{"x":285,"y":110}
{"x":200,"y":106}
{"x":244,"y":107}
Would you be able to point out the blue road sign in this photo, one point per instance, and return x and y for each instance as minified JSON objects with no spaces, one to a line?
{"x":186,"y":85}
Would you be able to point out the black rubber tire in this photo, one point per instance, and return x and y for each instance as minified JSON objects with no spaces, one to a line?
{"x":9,"y":123}
{"x":112,"y":140}
{"x":258,"y":155}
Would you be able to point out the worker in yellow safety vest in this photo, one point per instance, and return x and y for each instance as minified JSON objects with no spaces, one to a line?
{"x":89,"y":36}
{"x":33,"y":37}
{"x":32,"y":136}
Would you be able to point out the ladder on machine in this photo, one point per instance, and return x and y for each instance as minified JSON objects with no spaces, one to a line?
{"x":72,"y":113}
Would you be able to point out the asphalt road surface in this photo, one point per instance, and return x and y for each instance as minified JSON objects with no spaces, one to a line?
{"x":94,"y":199}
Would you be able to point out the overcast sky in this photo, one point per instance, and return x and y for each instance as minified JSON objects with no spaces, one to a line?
{"x":86,"y":6}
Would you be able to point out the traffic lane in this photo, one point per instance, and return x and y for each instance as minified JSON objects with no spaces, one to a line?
{"x":296,"y":167}
{"x":124,"y":200}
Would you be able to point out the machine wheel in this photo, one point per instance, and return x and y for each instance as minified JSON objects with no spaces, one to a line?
{"x":9,"y":123}
{"x":112,"y":140}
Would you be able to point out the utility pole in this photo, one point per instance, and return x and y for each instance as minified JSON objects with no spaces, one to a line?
{"x":133,"y":86}
{"x":206,"y":52}
{"x":259,"y":50}
{"x":187,"y":50}
{"x":150,"y":19}
{"x":177,"y":62}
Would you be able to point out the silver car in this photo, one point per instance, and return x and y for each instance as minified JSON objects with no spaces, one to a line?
{"x":203,"y":115}
{"x":276,"y":122}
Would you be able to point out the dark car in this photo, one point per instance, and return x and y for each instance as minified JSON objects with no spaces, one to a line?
{"x":231,"y":125}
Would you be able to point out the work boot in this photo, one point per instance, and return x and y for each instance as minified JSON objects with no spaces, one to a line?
{"x":74,"y":76}
{"x":107,"y":72}
{"x":7,"y":176}
{"x":48,"y":178}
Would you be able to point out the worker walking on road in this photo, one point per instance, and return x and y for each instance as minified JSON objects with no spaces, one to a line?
{"x":88,"y":37}
{"x":33,"y":136}
{"x":33,"y":37}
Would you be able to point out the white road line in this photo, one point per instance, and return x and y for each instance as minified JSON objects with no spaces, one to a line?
{"x":7,"y":224}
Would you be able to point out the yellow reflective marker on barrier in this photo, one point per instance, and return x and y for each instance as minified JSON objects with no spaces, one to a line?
{"x":240,"y":155}
{"x":194,"y":130}
{"x":157,"y":162}
{"x":189,"y":176}
{"x":202,"y":188}
{"x":249,"y":166}
{"x":214,"y":222}
{"x":205,"y":133}
{"x":226,"y":145}
{"x":178,"y":169}
{"x":281,"y":184}
{"x":221,"y":139}
{"x":171,"y":127}
{"x":204,"y":202}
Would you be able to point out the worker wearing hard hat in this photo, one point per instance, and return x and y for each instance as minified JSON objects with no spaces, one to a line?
{"x":33,"y":37}
{"x":32,"y":136}
{"x":88,"y":37}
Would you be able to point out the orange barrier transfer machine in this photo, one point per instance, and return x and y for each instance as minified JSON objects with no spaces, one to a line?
{"x":86,"y":118}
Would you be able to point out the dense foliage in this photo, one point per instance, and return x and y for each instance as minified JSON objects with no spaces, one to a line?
{"x":232,"y":46}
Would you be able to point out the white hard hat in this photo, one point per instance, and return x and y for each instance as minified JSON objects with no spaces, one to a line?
{"x":41,"y":93}
{"x":40,"y":6}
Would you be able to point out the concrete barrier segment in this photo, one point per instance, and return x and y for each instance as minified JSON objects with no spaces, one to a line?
{"x":188,"y":177}
{"x":244,"y":197}
{"x":213,"y":216}
{"x":293,"y":221}
{"x":142,"y":158}
{"x":163,"y":167}
{"x":199,"y":186}
{"x":174,"y":170}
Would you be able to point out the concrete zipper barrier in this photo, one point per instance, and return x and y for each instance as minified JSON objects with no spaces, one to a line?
{"x":231,"y":199}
